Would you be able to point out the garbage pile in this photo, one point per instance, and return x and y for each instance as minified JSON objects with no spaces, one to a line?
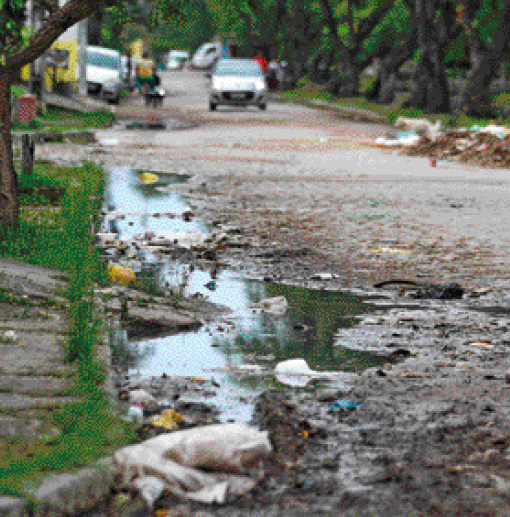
{"x":487,"y":146}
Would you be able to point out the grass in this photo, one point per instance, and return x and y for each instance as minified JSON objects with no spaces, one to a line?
{"x":62,"y":120}
{"x":60,"y":236}
{"x":308,"y":91}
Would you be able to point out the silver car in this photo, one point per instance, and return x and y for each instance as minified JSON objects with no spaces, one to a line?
{"x":237,"y":82}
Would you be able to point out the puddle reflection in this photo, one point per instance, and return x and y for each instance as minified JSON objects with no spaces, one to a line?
{"x":225,"y":350}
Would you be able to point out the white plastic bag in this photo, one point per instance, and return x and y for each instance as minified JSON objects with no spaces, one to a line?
{"x":224,"y":447}
{"x":140,"y":397}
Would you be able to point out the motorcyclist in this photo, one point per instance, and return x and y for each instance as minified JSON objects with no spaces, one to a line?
{"x":144,"y":73}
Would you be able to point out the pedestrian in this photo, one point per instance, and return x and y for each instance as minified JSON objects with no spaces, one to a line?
{"x":273,"y":74}
{"x":262,"y":61}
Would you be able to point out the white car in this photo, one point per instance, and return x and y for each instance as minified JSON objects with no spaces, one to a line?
{"x":177,"y":59}
{"x":104,"y":73}
{"x":238,"y":82}
{"x":207,"y":55}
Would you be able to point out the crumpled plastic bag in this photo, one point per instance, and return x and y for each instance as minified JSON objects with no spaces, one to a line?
{"x":296,"y":372}
{"x":226,"y":449}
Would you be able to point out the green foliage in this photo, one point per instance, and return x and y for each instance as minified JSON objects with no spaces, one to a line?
{"x":12,"y":19}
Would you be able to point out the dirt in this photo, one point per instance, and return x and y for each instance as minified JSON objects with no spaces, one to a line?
{"x":430,"y":435}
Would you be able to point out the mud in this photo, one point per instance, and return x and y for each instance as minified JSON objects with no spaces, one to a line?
{"x":430,"y":435}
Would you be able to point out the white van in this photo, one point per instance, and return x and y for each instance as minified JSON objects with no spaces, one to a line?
{"x":104,"y":73}
{"x":207,"y":55}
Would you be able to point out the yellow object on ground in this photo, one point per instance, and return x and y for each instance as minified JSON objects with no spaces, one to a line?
{"x":147,"y":177}
{"x":169,"y":419}
{"x":121,"y":275}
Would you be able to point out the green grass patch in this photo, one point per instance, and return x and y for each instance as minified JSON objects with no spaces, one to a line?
{"x":62,"y":120}
{"x":61,"y":237}
{"x":89,"y":430}
{"x":307,"y":91}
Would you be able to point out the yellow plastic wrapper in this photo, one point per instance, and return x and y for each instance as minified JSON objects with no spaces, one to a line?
{"x":147,"y":177}
{"x":121,"y":275}
{"x":169,"y":419}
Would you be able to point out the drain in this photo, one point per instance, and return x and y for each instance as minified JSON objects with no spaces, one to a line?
{"x":154,"y":124}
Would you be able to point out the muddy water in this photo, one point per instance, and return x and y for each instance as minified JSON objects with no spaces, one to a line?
{"x":237,"y":354}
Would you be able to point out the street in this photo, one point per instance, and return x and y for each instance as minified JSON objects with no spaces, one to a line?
{"x":309,"y":179}
{"x":313,"y":203}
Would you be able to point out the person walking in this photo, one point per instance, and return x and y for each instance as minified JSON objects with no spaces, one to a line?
{"x":273,"y":74}
{"x":262,"y":61}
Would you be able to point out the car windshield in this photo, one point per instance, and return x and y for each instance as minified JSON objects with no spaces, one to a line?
{"x":242,"y":68}
{"x":103,"y":60}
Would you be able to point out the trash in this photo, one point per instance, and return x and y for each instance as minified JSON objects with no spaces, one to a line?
{"x":148,"y":178}
{"x":211,"y":285}
{"x":109,"y":142}
{"x":135,"y":413}
{"x":10,"y":336}
{"x":169,"y":419}
{"x":140,"y":396}
{"x":150,"y":488}
{"x":433,"y":162}
{"x":427,"y":290}
{"x":227,"y":451}
{"x":323,"y":276}
{"x":296,"y":372}
{"x":121,"y":275}
{"x":420,"y":126}
{"x":343,"y":404}
{"x":107,"y":239}
{"x":276,"y":305}
{"x":485,"y":345}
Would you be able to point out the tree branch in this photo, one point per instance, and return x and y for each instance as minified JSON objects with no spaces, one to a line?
{"x":367,"y":25}
{"x":57,"y":24}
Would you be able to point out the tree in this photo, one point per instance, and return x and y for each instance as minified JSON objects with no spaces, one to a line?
{"x":20,"y":48}
{"x":485,"y":23}
{"x":355,"y":22}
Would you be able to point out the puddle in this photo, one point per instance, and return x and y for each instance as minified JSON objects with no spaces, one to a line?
{"x":236,"y":354}
{"x":155,"y":124}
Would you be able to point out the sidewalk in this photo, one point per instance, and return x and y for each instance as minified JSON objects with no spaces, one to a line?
{"x":356,"y":114}
{"x":76,"y":103}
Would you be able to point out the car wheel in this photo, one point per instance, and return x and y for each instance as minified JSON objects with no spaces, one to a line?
{"x":212,"y":106}
{"x":263,"y":107}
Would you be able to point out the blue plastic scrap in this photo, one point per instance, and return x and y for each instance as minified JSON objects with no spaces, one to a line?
{"x":343,"y":404}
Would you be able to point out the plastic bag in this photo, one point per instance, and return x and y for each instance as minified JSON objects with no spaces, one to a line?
{"x":226,"y":447}
{"x":140,"y":397}
{"x":223,"y":447}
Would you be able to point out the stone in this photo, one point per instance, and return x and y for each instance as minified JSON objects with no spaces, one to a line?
{"x":13,"y":507}
{"x":72,"y":493}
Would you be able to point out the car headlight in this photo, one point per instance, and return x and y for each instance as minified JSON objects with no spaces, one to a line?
{"x":260,"y":86}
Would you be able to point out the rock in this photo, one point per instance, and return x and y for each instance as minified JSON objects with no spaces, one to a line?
{"x":502,"y":484}
{"x":13,"y":507}
{"x":73,"y":493}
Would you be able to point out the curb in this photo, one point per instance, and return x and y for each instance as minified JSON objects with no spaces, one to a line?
{"x":60,"y":136}
{"x":359,"y":115}
{"x":66,"y":493}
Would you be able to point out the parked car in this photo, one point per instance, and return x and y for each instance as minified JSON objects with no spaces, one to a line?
{"x":104,"y":73}
{"x":207,"y":56}
{"x":237,"y":82}
{"x":177,"y":60}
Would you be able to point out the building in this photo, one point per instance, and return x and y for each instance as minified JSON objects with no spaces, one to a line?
{"x":61,"y":59}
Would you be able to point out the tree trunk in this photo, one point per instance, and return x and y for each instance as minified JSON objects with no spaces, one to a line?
{"x":346,"y":83}
{"x":9,"y":200}
{"x":476,"y":99}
